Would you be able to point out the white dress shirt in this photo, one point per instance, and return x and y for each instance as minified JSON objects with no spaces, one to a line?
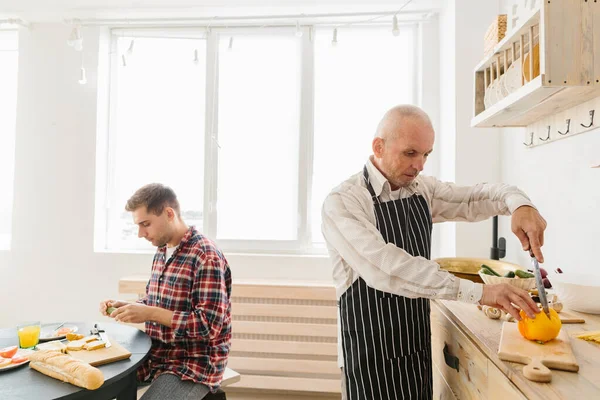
{"x":357,"y":249}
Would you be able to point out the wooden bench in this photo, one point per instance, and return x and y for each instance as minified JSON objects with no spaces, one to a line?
{"x":284,"y":338}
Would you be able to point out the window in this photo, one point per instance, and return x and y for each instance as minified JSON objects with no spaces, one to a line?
{"x":355,"y":83}
{"x":8,"y":104}
{"x":251,"y":127}
{"x":259,"y":131}
{"x":156,"y":128}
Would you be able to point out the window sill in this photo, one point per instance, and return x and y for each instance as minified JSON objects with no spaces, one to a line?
{"x":317,"y":253}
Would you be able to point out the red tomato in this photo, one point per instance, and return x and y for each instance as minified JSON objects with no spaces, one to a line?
{"x":19,"y":360}
{"x":8,"y":352}
{"x":63,"y":331}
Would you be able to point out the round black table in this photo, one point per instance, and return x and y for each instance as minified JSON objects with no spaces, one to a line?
{"x":24,"y":383}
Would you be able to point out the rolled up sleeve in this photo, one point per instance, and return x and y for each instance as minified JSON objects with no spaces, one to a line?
{"x":209,"y":303}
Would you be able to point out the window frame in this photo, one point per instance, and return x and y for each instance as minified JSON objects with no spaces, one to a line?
{"x":303,"y":245}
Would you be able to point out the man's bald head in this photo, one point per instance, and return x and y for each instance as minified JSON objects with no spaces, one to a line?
{"x":402,"y":143}
{"x":395,"y":118}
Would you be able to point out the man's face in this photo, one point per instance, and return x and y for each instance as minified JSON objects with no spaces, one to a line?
{"x":157,"y":229}
{"x":403,"y":155}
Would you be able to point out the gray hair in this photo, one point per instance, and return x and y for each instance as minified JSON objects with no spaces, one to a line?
{"x":393,"y":118}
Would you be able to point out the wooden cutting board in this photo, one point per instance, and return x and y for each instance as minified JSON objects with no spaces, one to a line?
{"x":556,"y":354}
{"x":568,"y":318}
{"x":115,"y":352}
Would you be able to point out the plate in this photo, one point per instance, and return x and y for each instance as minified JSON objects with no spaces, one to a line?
{"x":21,"y":353}
{"x":512,"y":78}
{"x":47,"y":330}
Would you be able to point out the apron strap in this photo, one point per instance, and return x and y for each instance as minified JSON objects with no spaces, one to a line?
{"x":369,"y":186}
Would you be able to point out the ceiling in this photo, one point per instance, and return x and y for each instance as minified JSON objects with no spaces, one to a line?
{"x":58,"y":10}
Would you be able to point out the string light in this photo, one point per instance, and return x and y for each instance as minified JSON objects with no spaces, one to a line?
{"x":130,"y":49}
{"x":196,"y":58}
{"x":123,"y":60}
{"x":395,"y":29}
{"x":75,"y":40}
{"x":298,"y":29}
{"x":334,"y":41}
{"x":82,"y":78}
{"x":230,"y":47}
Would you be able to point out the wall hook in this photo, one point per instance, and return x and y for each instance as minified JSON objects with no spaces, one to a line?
{"x":591,"y":120}
{"x":568,"y":128}
{"x":547,"y":137}
{"x":530,"y":141}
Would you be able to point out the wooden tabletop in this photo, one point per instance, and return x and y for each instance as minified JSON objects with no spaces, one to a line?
{"x":485,"y":332}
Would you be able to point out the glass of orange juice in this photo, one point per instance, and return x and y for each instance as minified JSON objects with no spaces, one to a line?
{"x":29,"y":334}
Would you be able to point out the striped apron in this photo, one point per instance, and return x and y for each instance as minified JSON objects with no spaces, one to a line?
{"x":386,"y":338}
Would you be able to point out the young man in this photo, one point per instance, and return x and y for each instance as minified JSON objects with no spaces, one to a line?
{"x":187,"y":308}
{"x":377,"y":226}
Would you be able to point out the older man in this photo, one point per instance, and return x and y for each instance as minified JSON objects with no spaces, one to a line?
{"x":377,"y":225}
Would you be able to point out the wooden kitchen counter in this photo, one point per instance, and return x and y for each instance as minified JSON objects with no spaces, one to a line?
{"x":474,"y":338}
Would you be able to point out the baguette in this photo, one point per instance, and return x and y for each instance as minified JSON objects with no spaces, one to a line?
{"x":67,"y":369}
{"x":74,"y":336}
{"x":76,"y":345}
{"x":98,"y":344}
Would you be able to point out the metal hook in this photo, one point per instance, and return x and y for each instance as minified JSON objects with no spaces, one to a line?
{"x":591,"y":120}
{"x":547,"y":137}
{"x":568,"y":128}
{"x":530,"y":142}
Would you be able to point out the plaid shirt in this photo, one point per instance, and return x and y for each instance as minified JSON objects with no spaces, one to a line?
{"x":195,"y":283}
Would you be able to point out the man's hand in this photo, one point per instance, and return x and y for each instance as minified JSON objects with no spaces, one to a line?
{"x":110,"y":303}
{"x":529,"y":226}
{"x":134,"y":313}
{"x":503,"y":296}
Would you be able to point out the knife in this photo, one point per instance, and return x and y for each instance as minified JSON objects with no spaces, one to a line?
{"x":102,"y":334}
{"x":540,"y":286}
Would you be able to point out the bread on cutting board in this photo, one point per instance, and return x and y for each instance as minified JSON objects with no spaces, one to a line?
{"x":67,"y":369}
{"x":55,"y":345}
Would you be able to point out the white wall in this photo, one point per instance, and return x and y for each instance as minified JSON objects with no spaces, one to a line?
{"x":559,"y":180}
{"x":469,"y":155}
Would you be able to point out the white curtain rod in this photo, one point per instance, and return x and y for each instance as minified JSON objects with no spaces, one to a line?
{"x":214,"y":21}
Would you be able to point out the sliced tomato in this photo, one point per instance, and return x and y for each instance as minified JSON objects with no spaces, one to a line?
{"x":8,"y":352}
{"x":18,"y":359}
{"x":63,"y":331}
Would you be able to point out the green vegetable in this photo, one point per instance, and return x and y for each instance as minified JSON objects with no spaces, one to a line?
{"x":486,"y":271}
{"x":109,"y":310}
{"x":523,"y":274}
{"x":509,"y":274}
{"x":489,"y":269}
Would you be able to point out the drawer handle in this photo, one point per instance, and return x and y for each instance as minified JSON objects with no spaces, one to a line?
{"x":451,"y":360}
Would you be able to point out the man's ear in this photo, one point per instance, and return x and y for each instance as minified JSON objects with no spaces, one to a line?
{"x":170,"y":213}
{"x":378,"y":145}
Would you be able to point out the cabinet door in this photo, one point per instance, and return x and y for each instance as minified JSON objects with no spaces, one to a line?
{"x":452,"y":350}
{"x":500,"y":387}
{"x":441,"y":390}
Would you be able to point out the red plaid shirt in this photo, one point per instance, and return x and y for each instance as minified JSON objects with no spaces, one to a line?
{"x":195,"y":283}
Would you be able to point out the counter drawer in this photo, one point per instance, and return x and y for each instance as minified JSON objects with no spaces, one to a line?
{"x":463,"y":366}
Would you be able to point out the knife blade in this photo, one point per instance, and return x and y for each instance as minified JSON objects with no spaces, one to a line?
{"x":540,"y":286}
{"x":101,"y":333}
{"x":104,"y":338}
